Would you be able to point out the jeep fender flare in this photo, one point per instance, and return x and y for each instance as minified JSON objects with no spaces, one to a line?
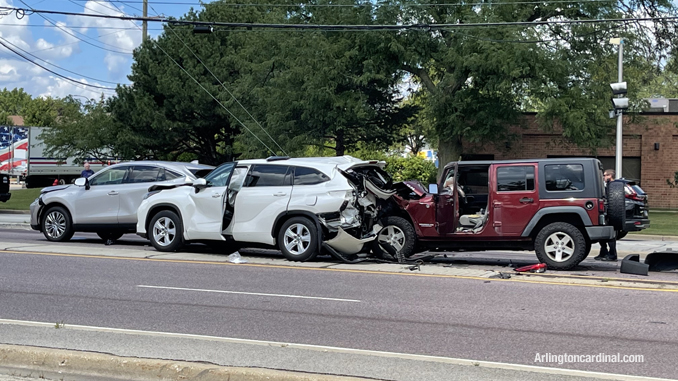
{"x":556,"y":210}
{"x":298,"y":213}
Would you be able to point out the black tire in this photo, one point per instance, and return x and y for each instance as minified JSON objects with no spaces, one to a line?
{"x":400,"y":234}
{"x":112,"y":235}
{"x":166,"y":231}
{"x":616,"y":204}
{"x":561,"y":246}
{"x":57,"y":225}
{"x":621,"y":234}
{"x":298,"y":239}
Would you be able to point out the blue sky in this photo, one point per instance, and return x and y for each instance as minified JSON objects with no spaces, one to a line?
{"x":105,"y":57}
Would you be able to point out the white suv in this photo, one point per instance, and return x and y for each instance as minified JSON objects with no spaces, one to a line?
{"x":299,"y":205}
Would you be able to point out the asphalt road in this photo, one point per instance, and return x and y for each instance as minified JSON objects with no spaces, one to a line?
{"x":484,"y":320}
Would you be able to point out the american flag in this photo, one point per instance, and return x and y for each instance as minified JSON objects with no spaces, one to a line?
{"x":9,"y":135}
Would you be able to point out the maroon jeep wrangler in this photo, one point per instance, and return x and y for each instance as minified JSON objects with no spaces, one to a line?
{"x":556,"y":207}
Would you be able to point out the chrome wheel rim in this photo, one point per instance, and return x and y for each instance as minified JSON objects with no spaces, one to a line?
{"x":55,"y":224}
{"x":164,"y":231}
{"x":559,"y":247}
{"x":393,"y":236}
{"x":297,"y":239}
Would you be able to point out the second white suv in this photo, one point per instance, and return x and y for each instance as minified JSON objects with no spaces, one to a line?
{"x":297,"y":205}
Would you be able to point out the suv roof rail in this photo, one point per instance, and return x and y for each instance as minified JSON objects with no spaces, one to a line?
{"x":277,"y":158}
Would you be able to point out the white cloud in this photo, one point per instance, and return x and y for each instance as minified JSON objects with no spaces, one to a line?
{"x":115,"y":62}
{"x":125,"y":39}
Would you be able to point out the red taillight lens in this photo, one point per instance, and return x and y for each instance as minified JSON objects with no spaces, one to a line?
{"x":601,"y":206}
{"x":633,"y":196}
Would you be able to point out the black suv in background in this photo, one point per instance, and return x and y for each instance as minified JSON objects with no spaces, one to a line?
{"x":637,"y":217}
{"x":4,"y":188}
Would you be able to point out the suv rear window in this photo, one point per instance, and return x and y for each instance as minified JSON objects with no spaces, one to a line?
{"x":515,"y":178}
{"x":309,"y":176}
{"x":564,"y":177}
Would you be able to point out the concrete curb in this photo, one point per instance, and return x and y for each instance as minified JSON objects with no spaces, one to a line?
{"x":91,"y":364}
{"x":12,"y":211}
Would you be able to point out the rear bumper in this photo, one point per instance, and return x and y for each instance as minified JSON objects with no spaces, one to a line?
{"x":600,"y":233}
{"x":636,"y":225}
{"x":5,"y":197}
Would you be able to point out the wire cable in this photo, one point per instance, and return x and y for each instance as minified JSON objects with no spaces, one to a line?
{"x":56,"y":66}
{"x":352,"y":27}
{"x":52,"y":71}
{"x":471,"y":4}
{"x":69,"y":32}
{"x":224,"y":86}
{"x":208,"y":92}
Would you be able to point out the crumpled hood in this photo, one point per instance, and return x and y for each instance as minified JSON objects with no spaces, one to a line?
{"x":55,"y":188}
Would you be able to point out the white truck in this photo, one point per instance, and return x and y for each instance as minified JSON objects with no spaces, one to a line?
{"x":22,"y":154}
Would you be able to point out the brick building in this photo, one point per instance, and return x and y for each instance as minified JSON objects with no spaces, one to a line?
{"x":650,"y":152}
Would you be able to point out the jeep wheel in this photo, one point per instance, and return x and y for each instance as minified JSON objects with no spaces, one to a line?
{"x":166,"y":231}
{"x":298,"y":239}
{"x":56,"y":224}
{"x":616,"y":204}
{"x":560,"y":245}
{"x":397,"y":238}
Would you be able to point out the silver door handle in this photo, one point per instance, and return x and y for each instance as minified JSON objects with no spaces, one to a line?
{"x":279,"y":194}
{"x":112,"y":193}
{"x":216,"y":195}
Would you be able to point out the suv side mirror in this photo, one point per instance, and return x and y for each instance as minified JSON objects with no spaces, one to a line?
{"x":433,"y":188}
{"x":82,"y":182}
{"x":200,"y":183}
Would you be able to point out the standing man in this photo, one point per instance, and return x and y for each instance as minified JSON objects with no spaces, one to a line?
{"x":609,"y":255}
{"x":87,"y":172}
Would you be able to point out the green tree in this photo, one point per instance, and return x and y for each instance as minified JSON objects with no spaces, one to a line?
{"x":84,"y":130}
{"x":477,"y":81}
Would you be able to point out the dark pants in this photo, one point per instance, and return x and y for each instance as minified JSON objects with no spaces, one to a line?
{"x":612,"y":252}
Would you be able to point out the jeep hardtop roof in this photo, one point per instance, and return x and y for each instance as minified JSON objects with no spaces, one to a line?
{"x":560,"y":160}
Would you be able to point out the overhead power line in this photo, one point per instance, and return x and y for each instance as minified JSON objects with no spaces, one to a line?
{"x":40,"y":13}
{"x":2,"y":42}
{"x":23,"y":11}
{"x":460,"y":4}
{"x":209,"y":93}
{"x":56,"y":66}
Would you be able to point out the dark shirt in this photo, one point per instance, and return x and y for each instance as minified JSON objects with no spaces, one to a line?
{"x":86,"y":173}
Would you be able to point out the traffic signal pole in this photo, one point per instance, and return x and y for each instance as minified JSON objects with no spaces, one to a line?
{"x":618,"y":151}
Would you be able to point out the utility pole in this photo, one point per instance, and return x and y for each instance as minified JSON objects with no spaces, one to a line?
{"x":144,"y":24}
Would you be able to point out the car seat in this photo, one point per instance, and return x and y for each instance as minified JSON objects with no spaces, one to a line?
{"x":473,"y":221}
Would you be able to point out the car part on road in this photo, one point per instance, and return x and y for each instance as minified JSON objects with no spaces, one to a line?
{"x":166,"y":228}
{"x":662,"y":260}
{"x":537,"y":268}
{"x":560,"y":245}
{"x":57,"y":225}
{"x":631,"y":265}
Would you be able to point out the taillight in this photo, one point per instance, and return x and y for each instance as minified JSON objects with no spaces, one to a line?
{"x":633,"y":196}
{"x":601,"y":205}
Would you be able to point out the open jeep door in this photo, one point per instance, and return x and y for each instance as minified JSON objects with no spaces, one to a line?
{"x":446,"y":205}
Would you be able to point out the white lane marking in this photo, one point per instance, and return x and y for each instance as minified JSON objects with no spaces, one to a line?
{"x":251,"y":293}
{"x":323,"y":348}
